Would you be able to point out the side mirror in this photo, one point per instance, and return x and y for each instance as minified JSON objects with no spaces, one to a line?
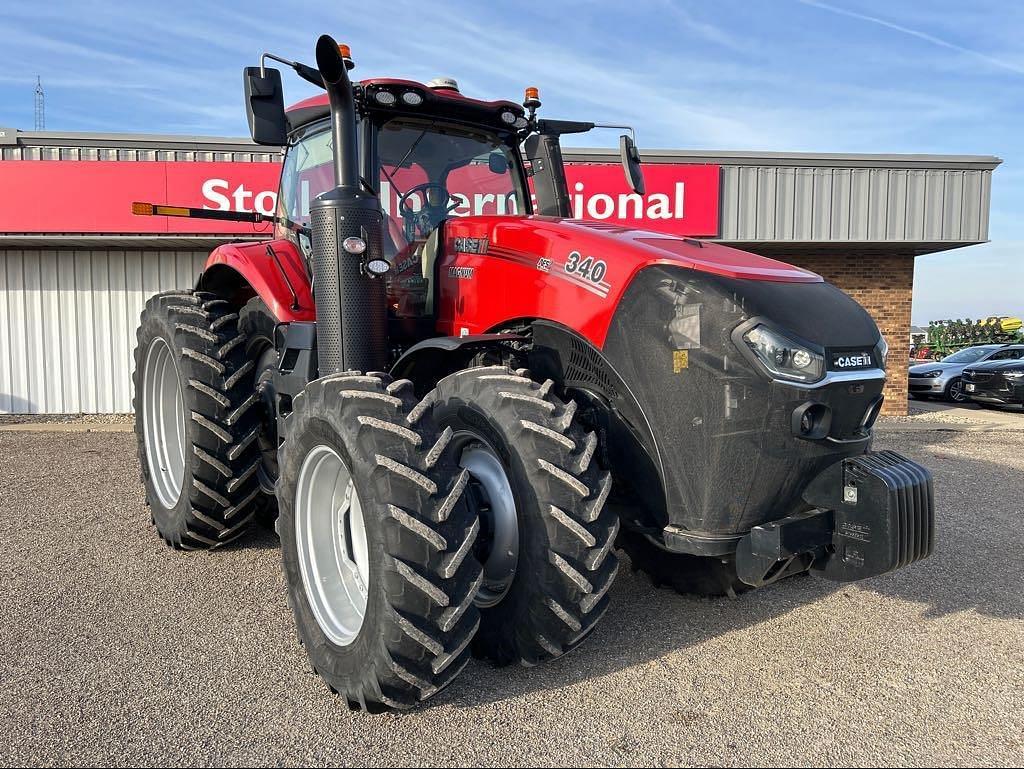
{"x":264,"y":106}
{"x":497,"y":162}
{"x":631,"y":164}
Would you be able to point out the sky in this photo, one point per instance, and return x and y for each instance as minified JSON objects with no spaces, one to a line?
{"x":924,"y":76}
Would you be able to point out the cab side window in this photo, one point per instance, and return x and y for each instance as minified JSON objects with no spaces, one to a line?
{"x":308,"y":172}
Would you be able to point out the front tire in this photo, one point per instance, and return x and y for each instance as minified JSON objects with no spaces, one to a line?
{"x":382,"y":596}
{"x":508,"y":427}
{"x":194,"y":420}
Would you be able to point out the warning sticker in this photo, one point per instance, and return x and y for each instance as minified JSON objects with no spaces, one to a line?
{"x":680,"y":360}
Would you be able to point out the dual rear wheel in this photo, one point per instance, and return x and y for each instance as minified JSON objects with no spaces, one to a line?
{"x":416,"y":532}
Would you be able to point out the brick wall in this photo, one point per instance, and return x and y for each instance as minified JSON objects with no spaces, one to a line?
{"x":883,"y":284}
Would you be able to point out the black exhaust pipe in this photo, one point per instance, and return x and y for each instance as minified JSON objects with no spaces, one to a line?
{"x":334,"y":71}
{"x":351,"y":311}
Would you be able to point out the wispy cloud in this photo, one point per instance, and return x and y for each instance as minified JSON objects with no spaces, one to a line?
{"x":919,"y":34}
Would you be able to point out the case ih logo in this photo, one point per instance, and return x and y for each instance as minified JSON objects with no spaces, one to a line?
{"x":471,"y":245}
{"x":852,"y":360}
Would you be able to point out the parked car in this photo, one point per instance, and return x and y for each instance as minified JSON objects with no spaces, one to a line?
{"x":943,"y":379}
{"x":996,"y":382}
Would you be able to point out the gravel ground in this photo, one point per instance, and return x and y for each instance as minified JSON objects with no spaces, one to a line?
{"x":66,"y":419}
{"x":117,"y":650}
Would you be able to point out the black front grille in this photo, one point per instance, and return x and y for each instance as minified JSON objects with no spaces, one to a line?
{"x":973,"y":375}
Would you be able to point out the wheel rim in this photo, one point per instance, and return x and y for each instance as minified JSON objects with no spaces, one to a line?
{"x":956,"y":390}
{"x":163,"y":414}
{"x":491,"y":493}
{"x":330,"y":537}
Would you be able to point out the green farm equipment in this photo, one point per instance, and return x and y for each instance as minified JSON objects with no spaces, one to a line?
{"x":947,"y":336}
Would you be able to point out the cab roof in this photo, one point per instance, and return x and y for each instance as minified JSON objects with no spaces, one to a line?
{"x":436,"y":101}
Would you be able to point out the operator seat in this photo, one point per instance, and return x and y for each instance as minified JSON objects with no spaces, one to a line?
{"x":395,"y":242}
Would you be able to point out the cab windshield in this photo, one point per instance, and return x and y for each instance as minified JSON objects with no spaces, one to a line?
{"x":428,"y":172}
{"x":431,"y":171}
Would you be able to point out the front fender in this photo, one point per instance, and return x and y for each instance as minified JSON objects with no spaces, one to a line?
{"x":282,"y":283}
{"x":430,"y":360}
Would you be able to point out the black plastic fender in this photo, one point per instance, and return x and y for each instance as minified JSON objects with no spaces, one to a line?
{"x":428,"y":362}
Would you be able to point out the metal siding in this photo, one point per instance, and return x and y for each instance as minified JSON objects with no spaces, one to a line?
{"x":896,"y":216}
{"x":878,"y":204}
{"x":746,"y":215}
{"x":767,"y":187}
{"x":934,"y":190}
{"x":840,"y":204}
{"x":915,"y":205}
{"x":986,"y":201}
{"x":970,"y":212}
{"x":860,"y":203}
{"x":952,"y":205}
{"x":803,"y":204}
{"x":68,"y":321}
{"x":776,"y":203}
{"x":785,"y":202}
{"x":730,"y":203}
{"x":821,"y":218}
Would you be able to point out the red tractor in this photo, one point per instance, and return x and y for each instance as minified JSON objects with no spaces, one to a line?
{"x":459,"y":401}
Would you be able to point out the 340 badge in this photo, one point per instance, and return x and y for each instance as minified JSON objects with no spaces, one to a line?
{"x":587,"y":272}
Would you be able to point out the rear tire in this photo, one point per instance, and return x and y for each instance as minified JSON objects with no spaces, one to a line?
{"x":404,"y":633}
{"x":565,"y":565}
{"x":195,"y":423}
{"x":259,"y":325}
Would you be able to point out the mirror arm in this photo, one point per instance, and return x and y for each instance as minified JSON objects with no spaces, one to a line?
{"x":307,"y":73}
{"x":632,"y":133}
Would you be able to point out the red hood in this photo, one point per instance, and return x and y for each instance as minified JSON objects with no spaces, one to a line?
{"x":539,"y":234}
{"x":499,"y":268}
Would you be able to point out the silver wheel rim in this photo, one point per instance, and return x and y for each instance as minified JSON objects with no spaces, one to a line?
{"x":163,"y":413}
{"x":956,"y":391}
{"x":330,"y":537}
{"x":499,"y":521}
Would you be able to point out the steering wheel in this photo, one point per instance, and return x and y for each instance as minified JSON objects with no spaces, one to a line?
{"x":431,"y":214}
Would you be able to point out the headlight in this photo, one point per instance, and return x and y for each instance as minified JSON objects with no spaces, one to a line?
{"x":927,"y":375}
{"x":412,"y":98}
{"x":1013,"y":374}
{"x":883,"y":348}
{"x":784,"y":358}
{"x":384,"y":98}
{"x":508,"y":117}
{"x":378,"y":267}
{"x":354,"y":245}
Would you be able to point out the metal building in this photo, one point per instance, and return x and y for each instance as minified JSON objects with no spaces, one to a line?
{"x":70,"y":296}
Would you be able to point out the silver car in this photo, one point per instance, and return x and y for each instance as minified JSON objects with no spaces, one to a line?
{"x":942,"y":378}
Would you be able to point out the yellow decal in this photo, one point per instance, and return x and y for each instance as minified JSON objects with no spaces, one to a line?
{"x":680,"y":360}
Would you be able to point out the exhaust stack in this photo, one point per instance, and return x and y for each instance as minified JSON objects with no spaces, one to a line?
{"x":334,"y":70}
{"x":351,"y":311}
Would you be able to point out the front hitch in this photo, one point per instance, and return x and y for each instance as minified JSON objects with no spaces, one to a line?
{"x":873,"y":513}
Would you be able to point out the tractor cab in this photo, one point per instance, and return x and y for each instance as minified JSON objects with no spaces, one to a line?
{"x":429,"y":154}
